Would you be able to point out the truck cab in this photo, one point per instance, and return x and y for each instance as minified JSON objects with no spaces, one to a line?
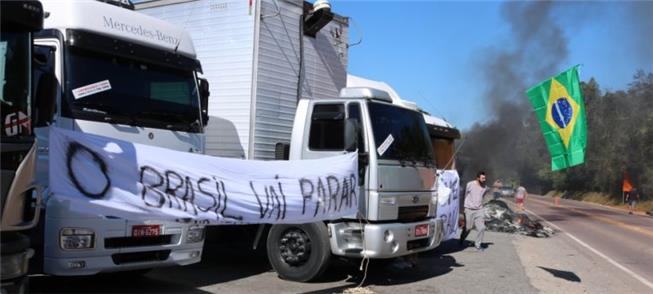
{"x":21,"y":110}
{"x":397,"y":181}
{"x":443,"y":136}
{"x":128,"y":76}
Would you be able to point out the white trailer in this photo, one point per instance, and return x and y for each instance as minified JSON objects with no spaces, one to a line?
{"x":260,"y":62}
{"x":129,"y":76}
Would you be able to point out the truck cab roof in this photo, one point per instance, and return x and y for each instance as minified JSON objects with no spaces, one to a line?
{"x":437,"y":126}
{"x":365,"y":93}
{"x":121,"y":23}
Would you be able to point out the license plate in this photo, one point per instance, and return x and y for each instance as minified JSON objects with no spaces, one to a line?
{"x":146,"y":230}
{"x":421,"y":230}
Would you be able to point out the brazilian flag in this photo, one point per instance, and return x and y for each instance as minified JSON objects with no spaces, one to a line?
{"x":559,"y":106}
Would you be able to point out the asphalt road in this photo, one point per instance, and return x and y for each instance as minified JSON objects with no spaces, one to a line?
{"x":447,"y":269}
{"x":625,"y":241}
{"x":597,"y":250}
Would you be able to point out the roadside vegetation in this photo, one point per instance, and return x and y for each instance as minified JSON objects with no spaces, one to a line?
{"x":603,"y":199}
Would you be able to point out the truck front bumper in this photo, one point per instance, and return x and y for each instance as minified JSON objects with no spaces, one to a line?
{"x":114,"y":249}
{"x":384,"y":240}
{"x":116,"y":262}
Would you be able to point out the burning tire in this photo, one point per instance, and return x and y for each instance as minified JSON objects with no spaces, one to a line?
{"x":299,"y":252}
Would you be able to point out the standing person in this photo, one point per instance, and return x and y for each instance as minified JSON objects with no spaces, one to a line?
{"x":520,"y":197}
{"x":474,"y":213}
{"x":626,"y":186}
{"x":633,"y":197}
{"x":496,"y":187}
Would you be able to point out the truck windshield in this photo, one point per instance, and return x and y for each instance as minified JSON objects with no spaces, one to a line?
{"x":15,"y":84}
{"x":119,"y":90}
{"x":400,"y":134}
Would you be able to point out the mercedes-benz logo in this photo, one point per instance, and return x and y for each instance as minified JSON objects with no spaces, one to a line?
{"x":415,"y":199}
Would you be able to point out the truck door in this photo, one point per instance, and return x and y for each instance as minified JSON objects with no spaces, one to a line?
{"x":326,"y":133}
{"x":354,"y":113}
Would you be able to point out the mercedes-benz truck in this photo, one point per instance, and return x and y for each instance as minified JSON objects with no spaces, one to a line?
{"x":125,"y":75}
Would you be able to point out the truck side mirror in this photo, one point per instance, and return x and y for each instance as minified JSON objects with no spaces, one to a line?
{"x":204,"y":99}
{"x":351,"y":134}
{"x":44,"y":87}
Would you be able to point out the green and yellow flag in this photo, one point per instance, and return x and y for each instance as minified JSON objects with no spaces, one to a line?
{"x":559,"y":106}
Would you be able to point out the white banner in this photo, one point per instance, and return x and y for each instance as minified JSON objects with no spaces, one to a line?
{"x":448,"y":201}
{"x":106,"y":176}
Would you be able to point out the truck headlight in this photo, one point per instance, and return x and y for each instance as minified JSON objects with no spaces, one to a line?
{"x":195,"y":234}
{"x":76,"y":238}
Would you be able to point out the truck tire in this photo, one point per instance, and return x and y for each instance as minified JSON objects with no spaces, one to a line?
{"x":299,"y":252}
{"x":16,"y":286}
{"x":14,"y":243}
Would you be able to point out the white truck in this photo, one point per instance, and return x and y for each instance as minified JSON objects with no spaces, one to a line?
{"x":278,"y":69}
{"x":129,"y":76}
{"x":442,"y":135}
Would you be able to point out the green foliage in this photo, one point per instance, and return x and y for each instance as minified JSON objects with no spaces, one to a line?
{"x":620,"y":137}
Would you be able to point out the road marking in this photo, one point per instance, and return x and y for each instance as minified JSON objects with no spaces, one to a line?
{"x":603,"y":219}
{"x":610,"y":260}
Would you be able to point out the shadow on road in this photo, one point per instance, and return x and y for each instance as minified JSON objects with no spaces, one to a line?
{"x":211,"y":270}
{"x":393,"y":271}
{"x":228,"y":261}
{"x":566,"y":275}
{"x":108,"y":284}
{"x":222,"y":262}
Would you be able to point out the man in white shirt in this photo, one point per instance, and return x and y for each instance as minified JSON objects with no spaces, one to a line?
{"x":474,"y":213}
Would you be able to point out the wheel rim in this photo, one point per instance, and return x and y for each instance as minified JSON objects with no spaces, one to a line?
{"x":295,"y":247}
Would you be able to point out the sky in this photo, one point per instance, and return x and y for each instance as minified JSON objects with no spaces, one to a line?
{"x":437,"y":53}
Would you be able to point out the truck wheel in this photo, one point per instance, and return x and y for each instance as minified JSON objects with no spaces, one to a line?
{"x":17,"y":285}
{"x":299,"y":252}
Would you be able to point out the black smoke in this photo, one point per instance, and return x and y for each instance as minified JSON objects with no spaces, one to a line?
{"x":509,"y":144}
{"x":536,"y":50}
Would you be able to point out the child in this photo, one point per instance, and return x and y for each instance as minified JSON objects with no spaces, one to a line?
{"x":520,"y":196}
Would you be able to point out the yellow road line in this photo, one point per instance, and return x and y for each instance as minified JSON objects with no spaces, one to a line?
{"x":601,"y":218}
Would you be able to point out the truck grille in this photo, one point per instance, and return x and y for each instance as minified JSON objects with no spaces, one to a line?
{"x":119,"y":242}
{"x":413,"y":213}
{"x":132,"y":257}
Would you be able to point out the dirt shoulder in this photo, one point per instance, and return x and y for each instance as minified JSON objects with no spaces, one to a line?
{"x":603,"y":200}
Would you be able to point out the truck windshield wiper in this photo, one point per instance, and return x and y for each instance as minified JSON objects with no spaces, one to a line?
{"x":428,"y":161}
{"x":170,"y":118}
{"x":194,"y":125}
{"x":403,"y":157}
